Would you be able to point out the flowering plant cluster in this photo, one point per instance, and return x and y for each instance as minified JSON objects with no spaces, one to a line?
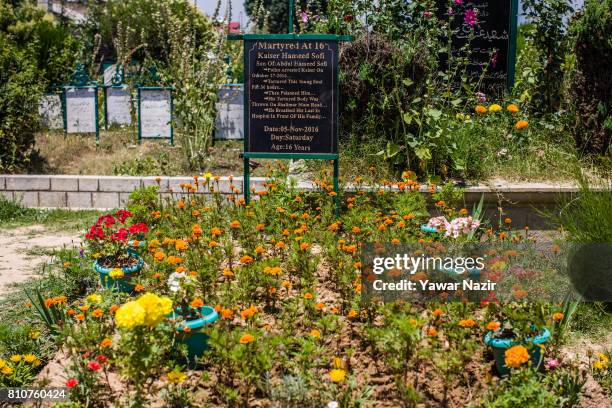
{"x":110,"y":236}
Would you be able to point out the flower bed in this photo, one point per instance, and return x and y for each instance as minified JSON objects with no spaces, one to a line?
{"x":283,"y":277}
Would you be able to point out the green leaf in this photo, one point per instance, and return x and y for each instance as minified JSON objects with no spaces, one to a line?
{"x":423,"y":153}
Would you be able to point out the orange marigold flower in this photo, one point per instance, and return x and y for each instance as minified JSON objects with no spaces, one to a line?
{"x":235,"y":224}
{"x":247,"y":338}
{"x":356,"y":230}
{"x":493,"y":326}
{"x":259,"y":227}
{"x":80,"y":317}
{"x":308,"y":296}
{"x":437,"y":312}
{"x":197,"y":303}
{"x":213,"y":244}
{"x":216,"y":231}
{"x":286,"y":284}
{"x":480,"y":109}
{"x":196,"y":230}
{"x":352,"y":314}
{"x":304,"y":246}
{"x":521,"y":124}
{"x":245,"y":259}
{"x":508,"y":220}
{"x":249,"y":312}
{"x":432,"y":332}
{"x":463,"y":212}
{"x":138,"y":288}
{"x":260,"y":249}
{"x":228,"y":272}
{"x":280,"y":245}
{"x":159,"y":256}
{"x":106,"y":342}
{"x":113,"y":309}
{"x":180,"y":204}
{"x":467,"y":323}
{"x":319,"y":306}
{"x":512,"y":108}
{"x":226,"y":313}
{"x":315,"y":333}
{"x":557,"y":317}
{"x":180,"y":245}
{"x":516,"y":356}
{"x":97,"y":313}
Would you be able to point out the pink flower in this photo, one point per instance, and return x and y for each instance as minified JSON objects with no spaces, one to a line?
{"x":458,"y":2}
{"x":426,"y":13}
{"x":101,"y":359}
{"x":470,"y":17}
{"x":551,"y":364}
{"x":304,"y":16}
{"x":94,"y":365}
{"x":72,"y":382}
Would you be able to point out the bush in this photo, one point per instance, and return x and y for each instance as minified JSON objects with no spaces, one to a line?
{"x":19,"y":95}
{"x":590,"y":85}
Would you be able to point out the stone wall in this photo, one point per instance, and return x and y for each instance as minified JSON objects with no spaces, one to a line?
{"x":522,"y":202}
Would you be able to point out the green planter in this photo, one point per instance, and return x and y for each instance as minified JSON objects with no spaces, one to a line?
{"x":120,"y":284}
{"x":500,"y":346}
{"x":195,"y":340}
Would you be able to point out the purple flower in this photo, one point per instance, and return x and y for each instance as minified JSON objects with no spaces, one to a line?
{"x":304,"y":16}
{"x":551,"y":363}
{"x":470,"y":17}
{"x":481,"y":97}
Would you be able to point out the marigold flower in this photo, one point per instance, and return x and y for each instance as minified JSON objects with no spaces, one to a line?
{"x":130,"y":315}
{"x":228,"y":272}
{"x":315,"y":333}
{"x":493,"y":326}
{"x":260,"y":250}
{"x":467,"y":323}
{"x":180,"y":204}
{"x":15,"y":358}
{"x":512,"y":108}
{"x":337,"y":375}
{"x":106,"y":342}
{"x":286,"y":284}
{"x":226,"y":313}
{"x":235,"y":224}
{"x":97,"y":313}
{"x":246,"y":259}
{"x":352,"y":314}
{"x":480,"y":109}
{"x":437,"y":312}
{"x":521,"y":124}
{"x":197,"y":303}
{"x":319,"y":306}
{"x":249,"y":312}
{"x":180,"y":245}
{"x":80,"y":317}
{"x":307,"y":295}
{"x":495,"y":108}
{"x":176,"y":376}
{"x":247,"y":338}
{"x":515,"y":356}
{"x":304,"y":246}
{"x":356,"y":230}
{"x":159,"y":256}
{"x":557,"y":317}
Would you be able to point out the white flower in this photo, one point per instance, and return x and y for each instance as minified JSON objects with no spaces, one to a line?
{"x":175,"y":281}
{"x":438,"y":223}
{"x":460,"y":226}
{"x":211,"y":55}
{"x":332,"y":404}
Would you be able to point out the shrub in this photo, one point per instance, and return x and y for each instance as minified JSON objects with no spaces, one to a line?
{"x":19,"y":95}
{"x":589,"y":87}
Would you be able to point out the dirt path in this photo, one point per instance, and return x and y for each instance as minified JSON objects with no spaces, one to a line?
{"x":24,"y":249}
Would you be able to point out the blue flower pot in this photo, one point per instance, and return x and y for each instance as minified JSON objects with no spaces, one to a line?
{"x":120,"y":284}
{"x":195,"y":340}
{"x":430,"y":230}
{"x":500,"y":346}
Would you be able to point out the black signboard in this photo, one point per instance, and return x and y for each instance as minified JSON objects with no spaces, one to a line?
{"x":492,"y":45}
{"x":291,"y":96}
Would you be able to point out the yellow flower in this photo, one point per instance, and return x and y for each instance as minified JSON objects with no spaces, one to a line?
{"x":337,"y":375}
{"x":515,"y":356}
{"x":521,"y":124}
{"x":495,"y":108}
{"x":130,"y":315}
{"x":2,"y":363}
{"x":176,"y":377}
{"x":512,"y":108}
{"x":116,"y":273}
{"x":34,"y":334}
{"x":315,"y":333}
{"x":15,"y":358}
{"x":30,"y":358}
{"x":94,"y":298}
{"x":7,"y":371}
{"x":480,"y":109}
{"x":599,"y":365}
{"x":155,"y":307}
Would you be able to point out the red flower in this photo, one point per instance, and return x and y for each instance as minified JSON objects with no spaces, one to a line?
{"x":120,"y":235}
{"x":101,"y":359}
{"x":108,"y":220}
{"x":72,"y":382}
{"x":96,"y":231}
{"x":94,"y":365}
{"x":123,"y":215}
{"x":139,"y":228}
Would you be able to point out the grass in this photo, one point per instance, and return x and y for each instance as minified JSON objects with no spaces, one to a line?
{"x":118,"y":153}
{"x":14,"y":215}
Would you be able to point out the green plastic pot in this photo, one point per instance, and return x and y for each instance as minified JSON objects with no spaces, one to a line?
{"x":195,"y":340}
{"x":120,"y":284}
{"x":500,"y":346}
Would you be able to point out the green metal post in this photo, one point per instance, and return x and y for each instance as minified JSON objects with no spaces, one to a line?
{"x":246,"y":187}
{"x":512,"y":46}
{"x":291,"y":7}
{"x":337,"y":188}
